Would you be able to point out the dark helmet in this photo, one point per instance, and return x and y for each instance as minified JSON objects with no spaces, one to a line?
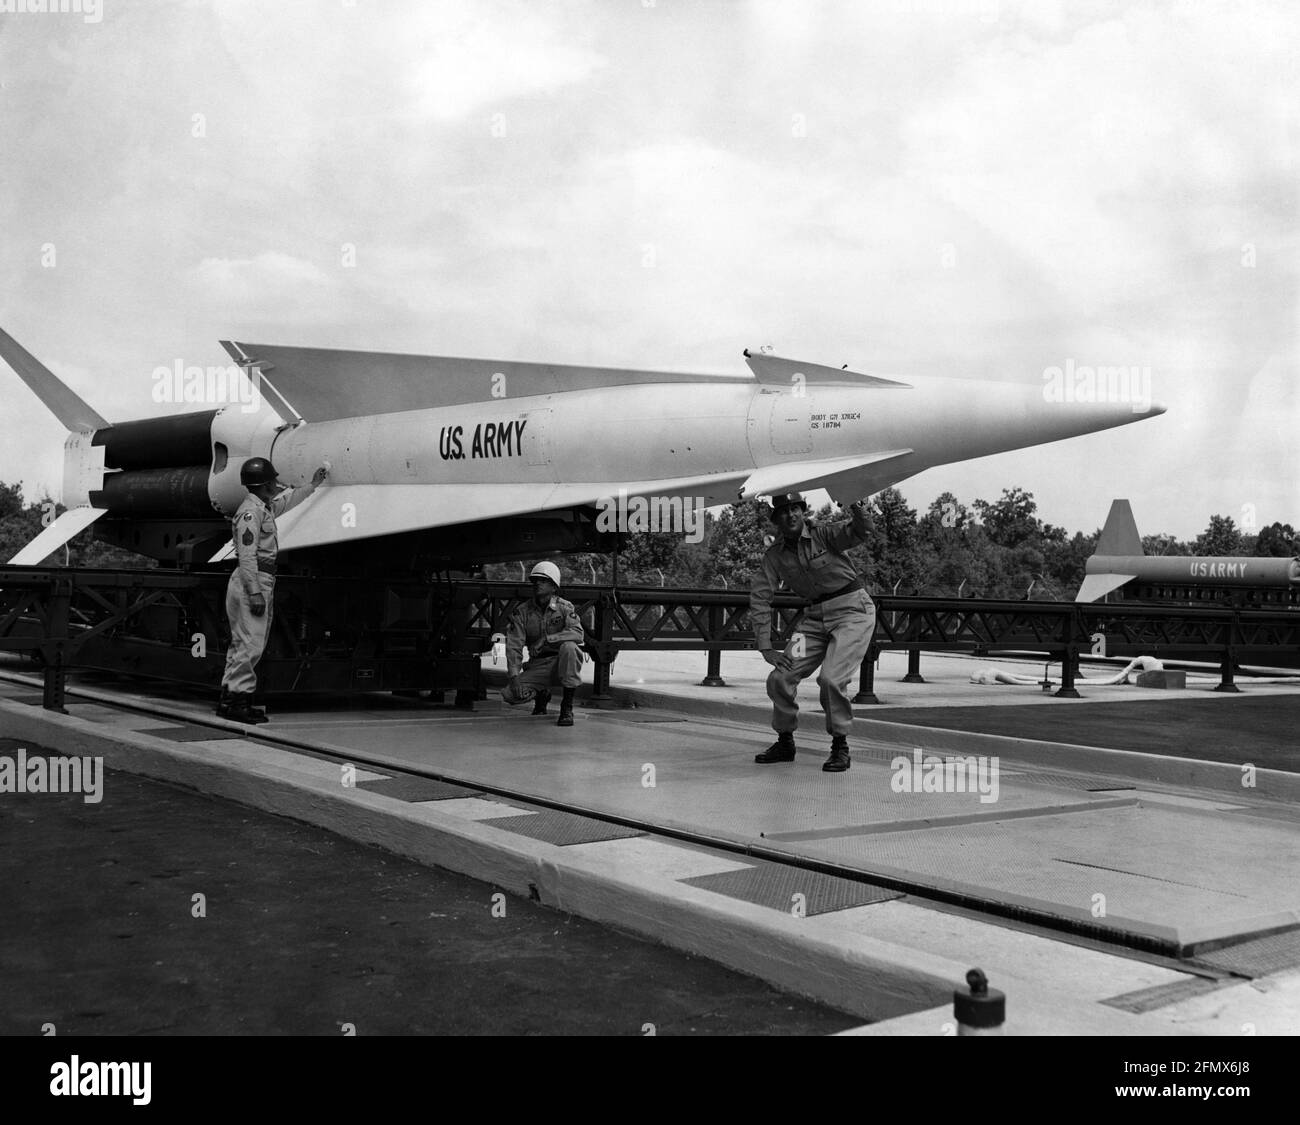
{"x":788,"y":500}
{"x":255,"y":471}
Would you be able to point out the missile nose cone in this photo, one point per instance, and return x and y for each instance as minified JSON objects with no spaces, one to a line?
{"x":1057,"y":416}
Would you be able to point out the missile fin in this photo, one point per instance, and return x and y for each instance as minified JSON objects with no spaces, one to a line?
{"x":256,"y":371}
{"x":73,"y":521}
{"x":326,"y":384}
{"x":385,"y":509}
{"x":845,"y":478}
{"x":775,"y":371}
{"x":1120,"y":535}
{"x":1099,"y":585}
{"x":63,"y":402}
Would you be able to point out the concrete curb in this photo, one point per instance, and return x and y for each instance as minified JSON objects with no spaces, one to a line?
{"x":867,"y":977}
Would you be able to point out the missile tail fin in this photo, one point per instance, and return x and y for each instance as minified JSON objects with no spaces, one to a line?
{"x":72,"y":522}
{"x":64,"y":403}
{"x":1099,"y":585}
{"x":1120,"y":535}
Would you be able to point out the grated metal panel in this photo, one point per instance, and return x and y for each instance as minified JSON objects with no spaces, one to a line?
{"x":417,"y":789}
{"x":190,"y":732}
{"x":1259,"y":957}
{"x":1162,"y":995}
{"x":774,"y":885}
{"x":555,"y":827}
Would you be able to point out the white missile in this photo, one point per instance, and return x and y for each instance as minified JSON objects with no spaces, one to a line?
{"x":423,"y":442}
{"x":1119,"y":559}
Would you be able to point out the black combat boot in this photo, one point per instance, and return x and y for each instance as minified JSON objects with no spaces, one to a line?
{"x":782,"y":750}
{"x":223,"y":704}
{"x":241,"y":709}
{"x":838,"y":762}
{"x":540,"y":700}
{"x":566,"y":708}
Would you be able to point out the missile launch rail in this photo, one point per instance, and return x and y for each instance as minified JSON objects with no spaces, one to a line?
{"x":410,"y":634}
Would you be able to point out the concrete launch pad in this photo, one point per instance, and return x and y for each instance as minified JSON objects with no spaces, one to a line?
{"x":1182,"y":869}
{"x":1083,"y":875}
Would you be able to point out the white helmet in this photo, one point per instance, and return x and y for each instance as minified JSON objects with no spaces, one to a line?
{"x":546,"y":570}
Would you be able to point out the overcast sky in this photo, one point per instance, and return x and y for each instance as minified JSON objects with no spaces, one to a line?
{"x":967,"y":187}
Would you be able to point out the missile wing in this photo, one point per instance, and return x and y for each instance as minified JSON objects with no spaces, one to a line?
{"x":776,"y":371}
{"x":391,"y":509}
{"x":845,"y":478}
{"x":329,"y":384}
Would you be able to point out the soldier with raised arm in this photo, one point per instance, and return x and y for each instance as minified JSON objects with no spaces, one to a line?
{"x":250,"y":594}
{"x":811,"y":562}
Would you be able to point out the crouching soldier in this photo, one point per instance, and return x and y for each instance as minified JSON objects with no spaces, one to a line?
{"x":250,"y":593}
{"x":553,"y":632}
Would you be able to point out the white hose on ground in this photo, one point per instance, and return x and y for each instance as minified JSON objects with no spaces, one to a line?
{"x":1001,"y":676}
{"x":1138,"y":664}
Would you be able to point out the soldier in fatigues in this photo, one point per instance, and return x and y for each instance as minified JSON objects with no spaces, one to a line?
{"x":836,"y":627}
{"x":250,"y":594}
{"x":552,"y":630}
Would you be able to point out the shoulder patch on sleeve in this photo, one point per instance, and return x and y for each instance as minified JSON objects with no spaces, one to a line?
{"x":248,"y":538}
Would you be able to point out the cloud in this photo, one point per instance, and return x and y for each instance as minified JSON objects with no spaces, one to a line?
{"x":440,"y":61}
{"x":246,"y":288}
{"x":464,"y":68}
{"x":257,"y":277}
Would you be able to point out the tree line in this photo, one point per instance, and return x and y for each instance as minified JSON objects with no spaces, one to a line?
{"x":989,"y":549}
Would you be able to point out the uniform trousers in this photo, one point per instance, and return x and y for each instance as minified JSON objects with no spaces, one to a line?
{"x":833,"y":636}
{"x":563,"y":668}
{"x":248,"y":634}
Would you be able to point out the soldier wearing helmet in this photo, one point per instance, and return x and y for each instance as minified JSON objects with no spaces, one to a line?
{"x":834,"y":632}
{"x":251,"y":591}
{"x":553,"y":632}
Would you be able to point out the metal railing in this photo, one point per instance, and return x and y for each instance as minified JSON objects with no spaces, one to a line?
{"x":64,"y":615}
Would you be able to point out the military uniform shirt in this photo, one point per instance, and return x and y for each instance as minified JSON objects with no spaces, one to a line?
{"x":814,"y":567}
{"x":542,"y":630}
{"x":254,"y":534}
